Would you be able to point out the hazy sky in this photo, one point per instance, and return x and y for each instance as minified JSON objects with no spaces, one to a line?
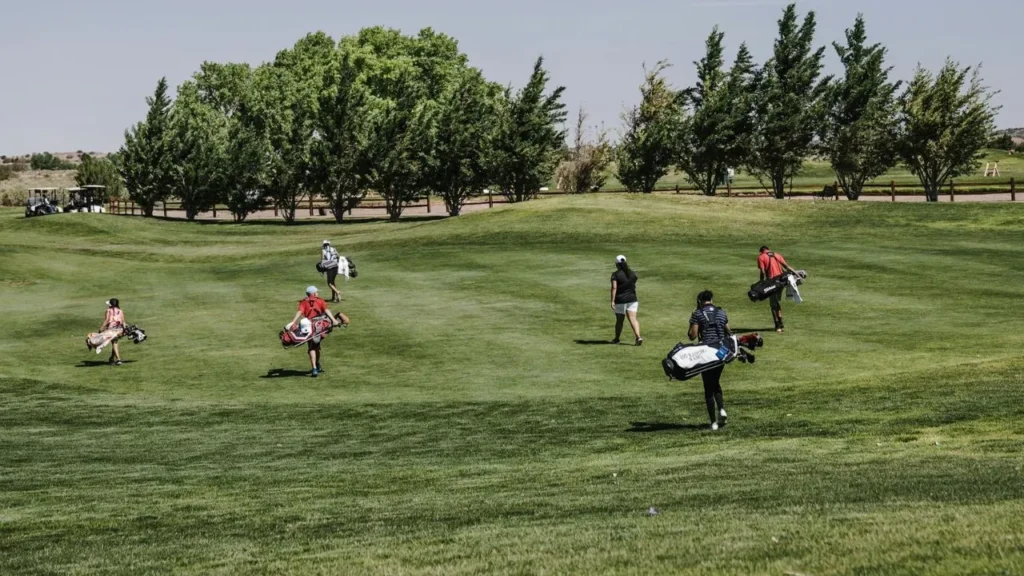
{"x":75,"y":74}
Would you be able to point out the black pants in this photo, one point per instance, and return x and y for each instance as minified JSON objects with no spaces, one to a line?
{"x":713,"y":391}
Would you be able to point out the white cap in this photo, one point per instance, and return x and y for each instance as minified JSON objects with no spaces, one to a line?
{"x":311,"y":290}
{"x":620,"y":259}
{"x":327,"y":243}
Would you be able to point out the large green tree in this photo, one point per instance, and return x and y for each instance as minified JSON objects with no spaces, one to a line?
{"x":647,"y":147}
{"x":788,"y":104}
{"x":199,"y":151}
{"x":228,"y":89}
{"x":859,"y":136}
{"x":528,"y":137}
{"x":99,"y":172}
{"x":283,"y":114}
{"x":147,"y":165}
{"x":945,"y":121}
{"x":457,"y":166}
{"x":715,"y":135}
{"x":341,"y":154}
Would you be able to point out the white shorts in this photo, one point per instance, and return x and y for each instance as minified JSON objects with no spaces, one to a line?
{"x":623,"y":308}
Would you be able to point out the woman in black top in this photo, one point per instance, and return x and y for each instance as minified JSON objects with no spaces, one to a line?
{"x":624,"y":300}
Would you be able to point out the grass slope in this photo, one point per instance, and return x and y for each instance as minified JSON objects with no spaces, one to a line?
{"x":460,"y":428}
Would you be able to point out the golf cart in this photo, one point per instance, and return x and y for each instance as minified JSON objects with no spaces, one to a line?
{"x":86,"y":199}
{"x":41,"y":202}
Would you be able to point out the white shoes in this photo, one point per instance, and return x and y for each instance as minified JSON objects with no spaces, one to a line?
{"x":725,"y":417}
{"x":714,"y":426}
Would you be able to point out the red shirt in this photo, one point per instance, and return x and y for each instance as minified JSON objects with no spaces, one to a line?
{"x":312,"y":307}
{"x":770,"y":264}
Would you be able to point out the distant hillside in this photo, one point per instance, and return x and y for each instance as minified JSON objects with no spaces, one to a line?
{"x":1015,"y":132}
{"x":72,"y":157}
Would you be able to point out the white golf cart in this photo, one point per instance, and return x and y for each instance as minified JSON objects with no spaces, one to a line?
{"x":42,"y":202}
{"x":86,"y":199}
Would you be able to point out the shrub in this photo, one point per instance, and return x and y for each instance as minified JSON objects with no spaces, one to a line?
{"x":6,"y":171}
{"x":47,"y":161}
{"x":13,"y":197}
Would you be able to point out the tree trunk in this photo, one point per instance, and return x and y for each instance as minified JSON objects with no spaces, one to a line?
{"x":779,"y":187}
{"x":147,"y":209}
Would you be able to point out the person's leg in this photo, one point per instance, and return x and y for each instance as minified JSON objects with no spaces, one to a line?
{"x":719,"y":398}
{"x":635,"y":325}
{"x":709,"y":395}
{"x":619,"y":320}
{"x":313,"y":349}
{"x":332,"y":277}
{"x":776,"y":305}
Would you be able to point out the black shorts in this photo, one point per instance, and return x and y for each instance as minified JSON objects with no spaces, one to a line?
{"x":332,"y":275}
{"x":314,"y":344}
{"x":775,"y":300}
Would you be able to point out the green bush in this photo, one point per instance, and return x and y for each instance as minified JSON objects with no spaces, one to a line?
{"x":13,"y":197}
{"x":47,"y":161}
{"x":6,"y":171}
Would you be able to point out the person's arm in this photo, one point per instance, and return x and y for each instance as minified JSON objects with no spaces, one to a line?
{"x":762,"y":269}
{"x":615,"y":290}
{"x":296,"y":319}
{"x":694,"y":332}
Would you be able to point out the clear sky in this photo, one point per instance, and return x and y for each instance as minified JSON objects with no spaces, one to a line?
{"x":75,"y":74}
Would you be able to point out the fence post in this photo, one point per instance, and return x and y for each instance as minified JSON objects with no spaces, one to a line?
{"x":677,"y":188}
{"x":164,"y":204}
{"x":892,"y":189}
{"x":728,"y":188}
{"x":1013,"y":190}
{"x":490,"y":199}
{"x":310,"y":204}
{"x":835,"y":188}
{"x":133,"y":207}
{"x":428,"y":203}
{"x":952,"y":191}
{"x":215,"y":210}
{"x":275,"y":210}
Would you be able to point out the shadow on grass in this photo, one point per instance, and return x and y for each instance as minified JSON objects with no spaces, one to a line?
{"x":651,"y":427}
{"x":596,"y":343}
{"x":749,"y":330}
{"x":99,"y":363}
{"x":285,"y":373}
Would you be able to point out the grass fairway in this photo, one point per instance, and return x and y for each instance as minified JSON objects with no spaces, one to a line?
{"x":461,"y":429}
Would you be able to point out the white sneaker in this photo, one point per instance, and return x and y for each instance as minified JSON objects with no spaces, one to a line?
{"x":714,"y":426}
{"x":725,"y":417}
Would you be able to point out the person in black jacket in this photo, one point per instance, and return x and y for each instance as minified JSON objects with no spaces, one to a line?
{"x":624,"y":300}
{"x":710,"y":324}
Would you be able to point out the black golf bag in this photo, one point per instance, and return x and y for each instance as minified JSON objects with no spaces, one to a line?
{"x":766,"y":288}
{"x":686,"y":361}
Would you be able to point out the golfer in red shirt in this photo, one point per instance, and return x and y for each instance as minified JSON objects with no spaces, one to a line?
{"x":772,"y":265}
{"x":311,"y":307}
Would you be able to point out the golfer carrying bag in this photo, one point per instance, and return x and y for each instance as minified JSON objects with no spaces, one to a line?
{"x":709,"y":323}
{"x":773,"y":267}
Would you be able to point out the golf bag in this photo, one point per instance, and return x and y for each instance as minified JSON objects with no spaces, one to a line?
{"x":344,"y":265}
{"x":307,"y":331}
{"x":686,"y":361}
{"x":764,"y":289}
{"x":99,"y":340}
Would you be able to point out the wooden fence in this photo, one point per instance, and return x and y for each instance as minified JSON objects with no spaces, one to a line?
{"x":318,"y":206}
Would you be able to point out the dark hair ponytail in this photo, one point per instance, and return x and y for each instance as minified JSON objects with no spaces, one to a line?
{"x":624,"y":266}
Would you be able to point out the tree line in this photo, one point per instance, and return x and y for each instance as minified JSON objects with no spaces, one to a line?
{"x":402,"y":116}
{"x":407,"y":116}
{"x":769,"y":119}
